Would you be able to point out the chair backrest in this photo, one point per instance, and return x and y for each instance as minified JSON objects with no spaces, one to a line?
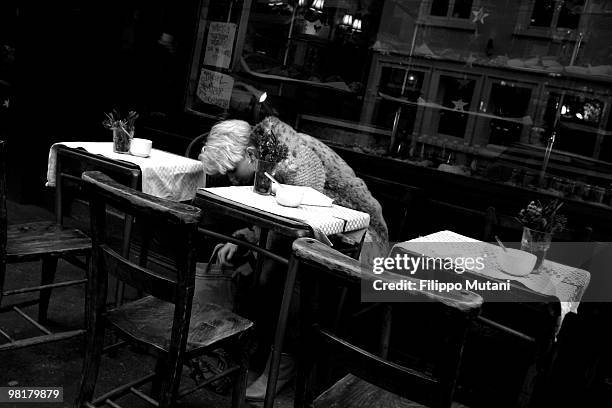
{"x":176,"y":223}
{"x":518,"y":311}
{"x":398,"y":201}
{"x":72,"y":163}
{"x":454,"y":313}
{"x":475,"y":223}
{"x":195,"y":146}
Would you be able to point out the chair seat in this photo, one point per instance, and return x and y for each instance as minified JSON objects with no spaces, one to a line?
{"x":149,"y":320}
{"x":353,"y":392}
{"x":32,"y":240}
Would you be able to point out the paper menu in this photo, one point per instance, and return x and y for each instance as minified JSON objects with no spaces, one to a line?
{"x":219,"y":44}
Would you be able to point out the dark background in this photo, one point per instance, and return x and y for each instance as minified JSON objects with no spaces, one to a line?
{"x":73,"y":61}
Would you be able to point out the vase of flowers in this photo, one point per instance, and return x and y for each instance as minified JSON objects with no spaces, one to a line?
{"x":540,"y":222}
{"x":270,"y":152}
{"x":123,"y":130}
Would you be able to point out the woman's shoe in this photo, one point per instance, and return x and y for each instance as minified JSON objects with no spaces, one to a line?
{"x":286,"y":371}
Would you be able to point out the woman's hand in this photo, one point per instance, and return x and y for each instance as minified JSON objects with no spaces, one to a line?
{"x":226,"y":253}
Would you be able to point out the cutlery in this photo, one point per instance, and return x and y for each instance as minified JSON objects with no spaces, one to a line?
{"x":501,"y":244}
{"x":273,"y":179}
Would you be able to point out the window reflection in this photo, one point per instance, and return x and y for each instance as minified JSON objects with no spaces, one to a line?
{"x":569,"y":14}
{"x":512,"y":102}
{"x":469,"y":77}
{"x":462,"y":8}
{"x":543,"y":11}
{"x":439,"y":7}
{"x":456,"y":94}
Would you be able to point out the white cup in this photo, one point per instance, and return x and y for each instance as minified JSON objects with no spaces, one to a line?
{"x":289,"y":196}
{"x":516,"y":262}
{"x":141,"y":147}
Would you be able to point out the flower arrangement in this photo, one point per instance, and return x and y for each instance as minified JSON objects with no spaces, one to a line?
{"x":123,"y":129}
{"x":114,"y":121}
{"x":269,"y":147}
{"x":544,"y":218}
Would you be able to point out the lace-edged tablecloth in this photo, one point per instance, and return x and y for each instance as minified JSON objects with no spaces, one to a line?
{"x":565,"y":282}
{"x":164,"y":174}
{"x":327,"y":220}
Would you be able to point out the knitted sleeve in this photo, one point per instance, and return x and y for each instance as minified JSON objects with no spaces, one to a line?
{"x":302,"y":168}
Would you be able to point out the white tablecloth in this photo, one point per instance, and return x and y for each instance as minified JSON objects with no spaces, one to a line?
{"x":164,"y":174}
{"x":328,"y":220}
{"x":565,"y":282}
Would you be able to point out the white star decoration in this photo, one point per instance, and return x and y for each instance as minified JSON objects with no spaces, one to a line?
{"x":479,"y":15}
{"x":459,"y":105}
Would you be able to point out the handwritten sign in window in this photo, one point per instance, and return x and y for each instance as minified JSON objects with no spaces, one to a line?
{"x":219,"y":44}
{"x":215,"y":88}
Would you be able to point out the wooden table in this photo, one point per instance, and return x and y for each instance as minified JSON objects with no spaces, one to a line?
{"x":163,"y":175}
{"x":216,"y":206}
{"x":540,"y":299}
{"x":564,"y":282}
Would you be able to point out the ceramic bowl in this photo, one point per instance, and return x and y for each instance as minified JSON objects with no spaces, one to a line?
{"x":141,"y":147}
{"x":289,"y":197}
{"x":516,"y":262}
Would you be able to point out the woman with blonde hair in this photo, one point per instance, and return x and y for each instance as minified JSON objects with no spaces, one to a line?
{"x":231,"y":149}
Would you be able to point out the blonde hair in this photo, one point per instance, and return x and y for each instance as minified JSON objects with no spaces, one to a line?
{"x":225,"y":146}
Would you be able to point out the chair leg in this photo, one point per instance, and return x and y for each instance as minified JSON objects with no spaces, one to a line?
{"x":91,"y":362}
{"x":168,"y":390}
{"x":386,"y":331}
{"x":49,"y":266}
{"x":161,"y":372}
{"x":240,"y":384}
{"x":2,"y":276}
{"x":306,"y":358}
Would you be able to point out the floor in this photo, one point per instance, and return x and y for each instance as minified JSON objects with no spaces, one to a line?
{"x":59,"y":364}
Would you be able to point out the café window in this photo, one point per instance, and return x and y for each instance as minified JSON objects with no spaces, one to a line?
{"x":559,"y":20}
{"x":556,"y":13}
{"x":451,"y":8}
{"x":430,"y":83}
{"x":578,"y":121}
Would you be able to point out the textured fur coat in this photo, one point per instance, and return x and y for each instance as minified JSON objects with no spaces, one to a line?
{"x":313,"y":163}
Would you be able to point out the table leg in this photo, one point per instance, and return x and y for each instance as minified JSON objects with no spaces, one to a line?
{"x":263,"y":242}
{"x":279,"y":336}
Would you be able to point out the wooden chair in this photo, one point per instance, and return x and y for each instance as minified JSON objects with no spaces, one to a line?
{"x":401,"y":205}
{"x":195,"y":146}
{"x":71,"y":164}
{"x":44,"y":241}
{"x":373,"y":381}
{"x":163,"y":324}
{"x":476,"y":223}
{"x":193,"y":150}
{"x":519,"y":315}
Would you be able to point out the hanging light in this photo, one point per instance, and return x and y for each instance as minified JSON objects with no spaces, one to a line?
{"x":317,"y":5}
{"x":357,"y":24}
{"x":347,"y":20}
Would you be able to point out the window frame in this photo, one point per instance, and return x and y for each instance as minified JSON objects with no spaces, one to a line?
{"x":448,"y":21}
{"x":201,"y":34}
{"x":431,"y":116}
{"x":523,"y":25}
{"x":600,"y":130}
